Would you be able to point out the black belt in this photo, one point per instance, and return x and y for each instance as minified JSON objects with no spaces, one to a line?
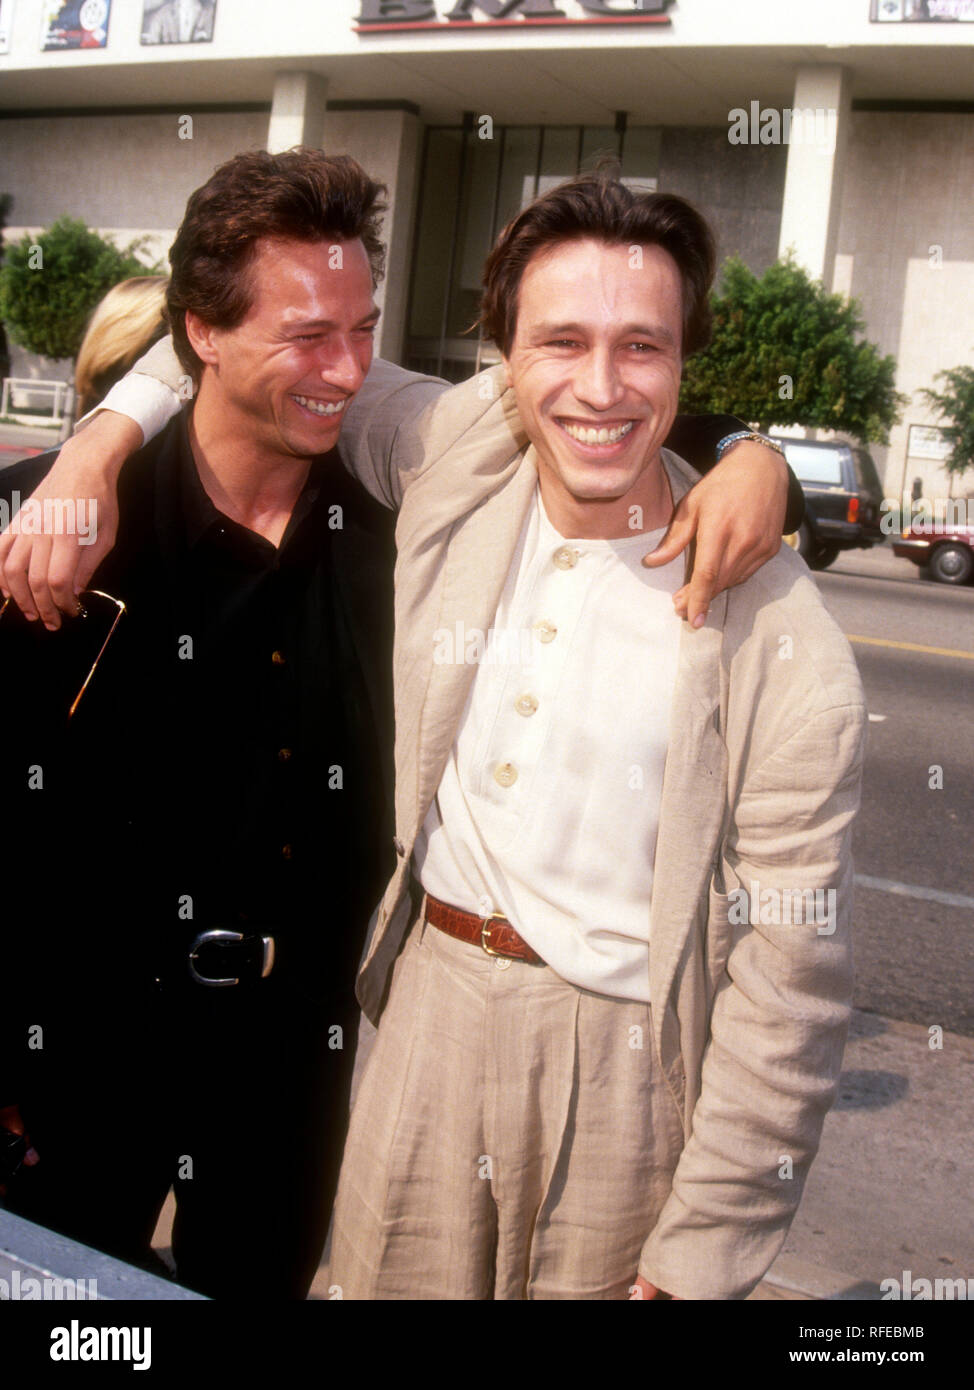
{"x":220,"y":958}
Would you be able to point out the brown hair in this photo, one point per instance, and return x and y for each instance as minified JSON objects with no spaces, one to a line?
{"x":126,"y":322}
{"x":599,"y":206}
{"x":303,"y":195}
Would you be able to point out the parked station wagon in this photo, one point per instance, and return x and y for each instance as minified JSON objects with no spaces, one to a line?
{"x":843,"y":496}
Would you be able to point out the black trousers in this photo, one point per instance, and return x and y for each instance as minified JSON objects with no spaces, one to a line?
{"x":235,"y":1097}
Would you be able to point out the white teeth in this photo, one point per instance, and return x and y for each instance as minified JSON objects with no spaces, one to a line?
{"x":601,"y":436}
{"x":321,"y":407}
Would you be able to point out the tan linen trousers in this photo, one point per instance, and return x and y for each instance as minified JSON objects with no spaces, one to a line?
{"x":513,"y":1136}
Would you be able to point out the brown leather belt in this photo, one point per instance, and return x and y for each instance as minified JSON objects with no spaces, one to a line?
{"x":494,"y":933}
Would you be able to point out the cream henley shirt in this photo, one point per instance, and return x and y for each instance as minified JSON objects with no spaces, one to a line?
{"x":548,"y":808}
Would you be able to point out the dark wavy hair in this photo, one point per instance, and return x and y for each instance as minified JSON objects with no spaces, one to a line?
{"x":599,"y":206}
{"x":303,"y":195}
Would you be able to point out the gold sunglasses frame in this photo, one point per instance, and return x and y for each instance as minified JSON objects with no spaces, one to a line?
{"x":81,"y":614}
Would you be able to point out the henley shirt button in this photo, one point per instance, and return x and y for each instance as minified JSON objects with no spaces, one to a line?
{"x":546,"y":630}
{"x":277,"y":658}
{"x":565,"y":558}
{"x":284,"y":754}
{"x":526,"y":705}
{"x":399,"y":847}
{"x":505,"y":774}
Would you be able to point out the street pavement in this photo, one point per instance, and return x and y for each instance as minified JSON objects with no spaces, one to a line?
{"x":890,"y":1189}
{"x":24,"y":441}
{"x":914,"y":911}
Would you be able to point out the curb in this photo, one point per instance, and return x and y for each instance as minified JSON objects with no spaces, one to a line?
{"x":789,"y":1277}
{"x":31,"y":1254}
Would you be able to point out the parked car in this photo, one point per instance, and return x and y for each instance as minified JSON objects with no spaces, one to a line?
{"x":843,"y":495}
{"x":945,"y":549}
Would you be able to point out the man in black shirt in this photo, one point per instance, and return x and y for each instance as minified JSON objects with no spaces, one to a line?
{"x":231,"y":753}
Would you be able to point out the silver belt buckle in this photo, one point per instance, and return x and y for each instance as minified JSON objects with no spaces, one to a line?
{"x":219,"y":934}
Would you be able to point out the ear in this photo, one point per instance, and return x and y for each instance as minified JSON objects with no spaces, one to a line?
{"x":203,"y":339}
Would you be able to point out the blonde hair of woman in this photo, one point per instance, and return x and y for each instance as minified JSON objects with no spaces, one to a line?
{"x":126,"y":322}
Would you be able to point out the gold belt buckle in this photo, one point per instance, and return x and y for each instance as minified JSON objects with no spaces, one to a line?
{"x":484,"y":928}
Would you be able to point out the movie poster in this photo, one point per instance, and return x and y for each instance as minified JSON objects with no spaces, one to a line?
{"x":178,"y":21}
{"x":75,"y":24}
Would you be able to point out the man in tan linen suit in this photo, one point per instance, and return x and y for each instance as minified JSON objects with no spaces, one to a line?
{"x":749,"y":986}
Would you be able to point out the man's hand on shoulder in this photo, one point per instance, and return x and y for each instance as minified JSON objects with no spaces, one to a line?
{"x":735,"y":516}
{"x":45,"y":568}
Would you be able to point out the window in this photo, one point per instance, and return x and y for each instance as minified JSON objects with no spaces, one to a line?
{"x":813,"y":464}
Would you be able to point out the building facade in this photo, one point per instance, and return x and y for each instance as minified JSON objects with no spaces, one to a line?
{"x":843,"y":129}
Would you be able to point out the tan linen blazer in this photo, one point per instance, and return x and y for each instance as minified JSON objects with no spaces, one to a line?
{"x":761,"y":784}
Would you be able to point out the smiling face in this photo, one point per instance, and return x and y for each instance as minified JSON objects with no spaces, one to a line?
{"x":595,"y":366}
{"x":281,"y":379}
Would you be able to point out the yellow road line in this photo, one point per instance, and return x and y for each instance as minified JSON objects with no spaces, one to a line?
{"x":911,"y":647}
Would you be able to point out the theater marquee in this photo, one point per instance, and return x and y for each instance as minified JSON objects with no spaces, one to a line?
{"x":389,"y":16}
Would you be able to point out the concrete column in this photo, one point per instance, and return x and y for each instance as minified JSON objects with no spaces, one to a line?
{"x":297,"y":111}
{"x":818,"y":136}
{"x":387,"y":144}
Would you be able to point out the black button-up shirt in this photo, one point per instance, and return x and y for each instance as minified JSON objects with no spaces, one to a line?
{"x":229,"y":763}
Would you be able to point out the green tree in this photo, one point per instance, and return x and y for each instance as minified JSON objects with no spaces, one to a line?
{"x":956,"y":404}
{"x":786,"y":352}
{"x":50,"y":284}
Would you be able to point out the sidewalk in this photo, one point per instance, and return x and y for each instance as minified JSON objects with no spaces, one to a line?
{"x":890,"y":1190}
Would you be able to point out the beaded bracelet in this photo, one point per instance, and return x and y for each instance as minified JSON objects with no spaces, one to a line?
{"x":730,"y":440}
